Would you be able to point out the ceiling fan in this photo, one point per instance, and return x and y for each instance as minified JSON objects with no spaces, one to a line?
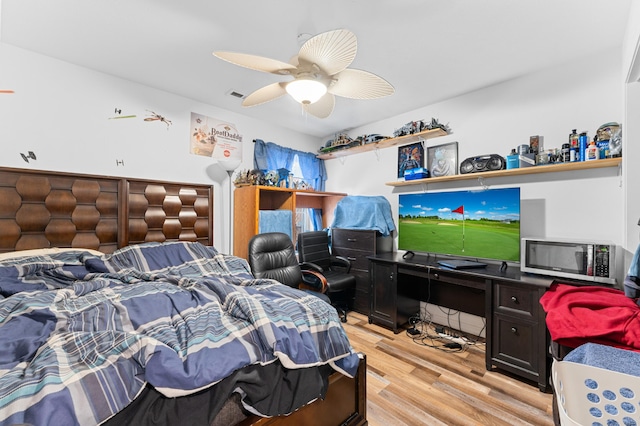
{"x":320,"y":73}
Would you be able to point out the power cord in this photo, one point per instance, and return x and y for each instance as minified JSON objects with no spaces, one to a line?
{"x":413,"y":331}
{"x":445,"y":338}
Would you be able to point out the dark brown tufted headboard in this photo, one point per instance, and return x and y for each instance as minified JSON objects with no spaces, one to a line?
{"x":40,"y":209}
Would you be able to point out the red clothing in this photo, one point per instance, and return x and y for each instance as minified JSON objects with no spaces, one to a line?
{"x":577,"y":315}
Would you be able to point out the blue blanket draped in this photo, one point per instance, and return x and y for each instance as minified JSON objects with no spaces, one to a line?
{"x":81,"y":335}
{"x":364,"y":212}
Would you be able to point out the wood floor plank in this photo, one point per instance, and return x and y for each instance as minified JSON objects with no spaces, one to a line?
{"x":405,"y":411}
{"x":494,"y":413}
{"x":413,"y":384}
{"x":435,"y":403}
{"x":506,"y":385}
{"x":501,"y":401}
{"x":375,"y":382}
{"x":379,"y":416}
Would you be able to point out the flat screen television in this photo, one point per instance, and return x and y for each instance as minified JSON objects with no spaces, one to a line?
{"x":483,"y":224}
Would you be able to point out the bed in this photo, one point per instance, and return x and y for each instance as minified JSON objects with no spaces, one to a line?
{"x":144,"y":322}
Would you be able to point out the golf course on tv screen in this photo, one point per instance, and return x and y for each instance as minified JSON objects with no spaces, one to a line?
{"x":481,"y":224}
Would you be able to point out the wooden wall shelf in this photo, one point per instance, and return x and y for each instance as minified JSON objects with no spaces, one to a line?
{"x":385,"y":143}
{"x":564,"y":167}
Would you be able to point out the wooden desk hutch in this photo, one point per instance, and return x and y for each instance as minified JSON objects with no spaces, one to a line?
{"x":249,"y":200}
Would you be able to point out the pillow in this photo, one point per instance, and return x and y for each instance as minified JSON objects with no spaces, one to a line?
{"x":44,"y":252}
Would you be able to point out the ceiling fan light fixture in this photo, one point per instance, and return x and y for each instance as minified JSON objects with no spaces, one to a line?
{"x":306,"y":91}
{"x":320,"y":70}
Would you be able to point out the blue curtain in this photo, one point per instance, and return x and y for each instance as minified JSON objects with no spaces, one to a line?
{"x":269,"y":156}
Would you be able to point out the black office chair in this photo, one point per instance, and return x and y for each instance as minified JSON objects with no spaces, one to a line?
{"x":272,"y":255}
{"x":314,"y":254}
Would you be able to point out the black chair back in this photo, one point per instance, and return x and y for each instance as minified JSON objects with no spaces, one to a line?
{"x":272,"y":255}
{"x":313,"y":247}
{"x":314,"y":254}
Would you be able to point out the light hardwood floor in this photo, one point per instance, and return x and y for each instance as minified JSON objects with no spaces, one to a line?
{"x":411,"y":384}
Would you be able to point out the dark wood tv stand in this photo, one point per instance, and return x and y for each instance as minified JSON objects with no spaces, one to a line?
{"x":516,"y":334}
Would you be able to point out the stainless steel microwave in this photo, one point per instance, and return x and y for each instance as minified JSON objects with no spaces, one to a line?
{"x":582,"y":260}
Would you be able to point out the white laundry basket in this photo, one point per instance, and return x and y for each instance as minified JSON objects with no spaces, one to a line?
{"x":592,"y":396}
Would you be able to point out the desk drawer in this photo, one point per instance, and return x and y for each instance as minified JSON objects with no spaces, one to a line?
{"x":362,"y":302}
{"x":358,"y":258}
{"x":515,"y":300}
{"x":462,"y":279}
{"x":362,"y":280}
{"x":515,"y":344}
{"x":353,"y":239}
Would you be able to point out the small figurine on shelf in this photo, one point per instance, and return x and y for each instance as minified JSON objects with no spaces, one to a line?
{"x":434,"y":124}
{"x":341,"y":141}
{"x":283,"y":178}
{"x":271,"y":178}
{"x":300,"y":184}
{"x":249,"y":177}
{"x":413,"y":127}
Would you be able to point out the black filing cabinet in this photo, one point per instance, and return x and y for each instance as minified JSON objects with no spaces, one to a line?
{"x":356,"y":245}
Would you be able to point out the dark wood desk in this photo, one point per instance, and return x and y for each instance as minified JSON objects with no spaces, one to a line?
{"x":516,"y":333}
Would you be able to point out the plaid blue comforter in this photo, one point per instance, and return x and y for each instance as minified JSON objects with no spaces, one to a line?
{"x":81,"y":335}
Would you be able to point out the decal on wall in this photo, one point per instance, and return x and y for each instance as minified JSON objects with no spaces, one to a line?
{"x":26,"y":157}
{"x":214,"y":138}
{"x":157,"y":117}
{"x":118,"y":112}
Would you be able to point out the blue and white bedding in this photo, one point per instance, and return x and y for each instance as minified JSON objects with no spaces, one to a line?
{"x":81,"y":335}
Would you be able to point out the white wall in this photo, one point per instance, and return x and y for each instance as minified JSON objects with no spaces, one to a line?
{"x":631,"y":131}
{"x":579,"y":95}
{"x":630,"y":166}
{"x":631,"y":44}
{"x":60,"y":112}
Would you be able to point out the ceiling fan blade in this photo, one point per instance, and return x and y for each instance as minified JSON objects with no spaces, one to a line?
{"x":254,"y":62}
{"x":6,"y":91}
{"x":358,"y":84}
{"x":265,"y":94}
{"x":332,"y":51}
{"x":323,"y":107}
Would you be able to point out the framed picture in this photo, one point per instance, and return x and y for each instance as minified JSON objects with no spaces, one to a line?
{"x":410,"y":157}
{"x":443,"y":159}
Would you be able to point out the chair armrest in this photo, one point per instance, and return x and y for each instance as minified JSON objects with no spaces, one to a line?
{"x":312,"y":266}
{"x":314,"y":281}
{"x":341,"y":261}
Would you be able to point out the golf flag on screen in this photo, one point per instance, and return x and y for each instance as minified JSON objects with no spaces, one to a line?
{"x":461,"y":211}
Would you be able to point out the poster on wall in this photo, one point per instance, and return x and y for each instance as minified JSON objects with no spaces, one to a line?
{"x":443,"y":159}
{"x":410,"y":157}
{"x":214,"y":138}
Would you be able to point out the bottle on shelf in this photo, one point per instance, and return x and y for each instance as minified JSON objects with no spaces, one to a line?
{"x":592,"y":152}
{"x":583,"y":143}
{"x":573,"y":146}
{"x":565,"y":153}
{"x":513,"y":160}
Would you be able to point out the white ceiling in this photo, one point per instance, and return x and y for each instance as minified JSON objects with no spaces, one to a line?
{"x":429,"y":50}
